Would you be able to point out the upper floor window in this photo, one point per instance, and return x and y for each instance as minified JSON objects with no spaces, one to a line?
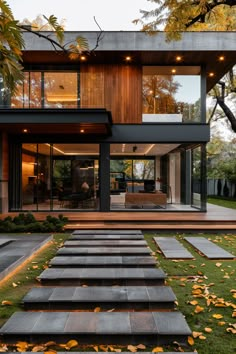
{"x":171,"y":94}
{"x":42,"y":89}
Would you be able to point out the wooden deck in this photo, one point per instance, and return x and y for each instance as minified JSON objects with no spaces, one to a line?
{"x":216,"y":218}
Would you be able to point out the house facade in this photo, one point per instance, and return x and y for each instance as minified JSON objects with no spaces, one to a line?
{"x":121,"y":128}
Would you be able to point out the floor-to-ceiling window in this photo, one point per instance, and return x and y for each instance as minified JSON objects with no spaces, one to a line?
{"x":60,"y":176}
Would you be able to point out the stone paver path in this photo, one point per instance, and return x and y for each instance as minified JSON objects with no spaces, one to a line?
{"x":172,"y":248}
{"x":135,"y":305}
{"x":208,"y":248}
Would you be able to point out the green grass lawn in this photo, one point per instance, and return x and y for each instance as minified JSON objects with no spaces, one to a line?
{"x":205,"y":290}
{"x":224,"y":202}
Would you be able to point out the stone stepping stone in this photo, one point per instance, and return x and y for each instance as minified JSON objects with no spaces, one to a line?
{"x":118,"y":297}
{"x":208,"y":248}
{"x":102,"y":276}
{"x":106,"y":237}
{"x":4,"y":242}
{"x":105,"y":243}
{"x":172,"y":248}
{"x":107,"y":232}
{"x":98,"y":261}
{"x":103,"y":251}
{"x":149,"y":328}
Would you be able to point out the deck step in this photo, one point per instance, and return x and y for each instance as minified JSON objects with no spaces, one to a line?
{"x":149,"y":328}
{"x":98,"y":261}
{"x":102,"y":276}
{"x":103,"y":251}
{"x":87,"y":298}
{"x":107,"y":232}
{"x":105,"y":243}
{"x":104,"y":236}
{"x":172,"y":248}
{"x":208,"y":248}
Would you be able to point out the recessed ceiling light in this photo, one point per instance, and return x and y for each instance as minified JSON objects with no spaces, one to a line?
{"x":83,"y":57}
{"x":211,"y":74}
{"x":173,"y":71}
{"x":221,"y":58}
{"x":178,"y":58}
{"x":25,"y":130}
{"x":81,"y":130}
{"x":128,"y":58}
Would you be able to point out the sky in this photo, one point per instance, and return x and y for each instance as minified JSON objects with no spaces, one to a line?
{"x":116,"y":15}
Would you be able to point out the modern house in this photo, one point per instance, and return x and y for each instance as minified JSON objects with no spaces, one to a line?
{"x":123,"y":128}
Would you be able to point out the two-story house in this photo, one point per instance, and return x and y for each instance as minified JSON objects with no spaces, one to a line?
{"x":123,"y":128}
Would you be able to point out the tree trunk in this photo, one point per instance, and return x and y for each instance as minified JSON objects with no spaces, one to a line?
{"x":227,"y":111}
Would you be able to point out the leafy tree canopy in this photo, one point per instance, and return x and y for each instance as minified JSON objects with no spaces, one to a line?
{"x":176,"y":16}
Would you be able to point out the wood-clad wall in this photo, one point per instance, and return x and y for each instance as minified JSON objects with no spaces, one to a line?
{"x":117,"y":88}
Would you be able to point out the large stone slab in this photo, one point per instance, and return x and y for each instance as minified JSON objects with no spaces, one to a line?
{"x":107,"y":232}
{"x":106,"y":237}
{"x":103,"y":251}
{"x":105,"y":243}
{"x":106,"y":297}
{"x":208,"y":248}
{"x":98,"y":261}
{"x":102,"y":276}
{"x":172,"y":248}
{"x":149,"y":328}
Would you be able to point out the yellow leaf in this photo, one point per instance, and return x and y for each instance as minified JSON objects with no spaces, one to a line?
{"x":6,"y":303}
{"x":103,"y":348}
{"x":22,"y":346}
{"x":202,"y":337}
{"x":141,"y":346}
{"x":194,"y":302}
{"x":95,"y":348}
{"x":157,"y":350}
{"x":198,"y":309}
{"x":50,"y":343}
{"x":217,"y":316}
{"x":218,"y":264}
{"x":221,"y":323}
{"x":208,"y":329}
{"x":197,"y":292}
{"x":190,"y":340}
{"x":3,"y":348}
{"x":72,"y":343}
{"x":196,"y":334}
{"x":50,"y":352}
{"x":14,"y":285}
{"x":38,"y":348}
{"x":97,"y":309}
{"x":132,"y":348}
{"x":232,"y":330}
{"x":117,"y":350}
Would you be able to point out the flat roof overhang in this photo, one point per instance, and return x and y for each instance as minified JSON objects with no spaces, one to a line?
{"x":196,"y":48}
{"x":51,"y":121}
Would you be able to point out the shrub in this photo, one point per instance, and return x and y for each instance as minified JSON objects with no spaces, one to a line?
{"x":28,"y":223}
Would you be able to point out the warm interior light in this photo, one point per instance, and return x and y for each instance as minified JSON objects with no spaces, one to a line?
{"x":83,"y":57}
{"x":178,"y":58}
{"x":173,"y":71}
{"x":25,"y":130}
{"x":128,"y":58}
{"x":221,"y":58}
{"x":211,"y":74}
{"x":81,"y":130}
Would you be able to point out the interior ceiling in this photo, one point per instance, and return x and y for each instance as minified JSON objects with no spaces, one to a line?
{"x":93,"y":149}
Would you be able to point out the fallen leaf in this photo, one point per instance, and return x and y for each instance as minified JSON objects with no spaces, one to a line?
{"x":217,"y":316}
{"x":196,"y":334}
{"x":218,"y":264}
{"x":193,"y":302}
{"x":208,"y":329}
{"x":14,"y":285}
{"x":232,"y":330}
{"x":190,"y":340}
{"x":97,"y":309}
{"x":141,"y":346}
{"x":198,"y":309}
{"x":38,"y":348}
{"x":111,"y":310}
{"x":132,"y":348}
{"x":22,"y":346}
{"x":71,"y":344}
{"x":6,"y":303}
{"x":95,"y":348}
{"x":3,"y":348}
{"x":157,"y":350}
{"x":202,"y":337}
{"x":50,"y":343}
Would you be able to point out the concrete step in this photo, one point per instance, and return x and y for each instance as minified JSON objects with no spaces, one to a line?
{"x":208,"y":248}
{"x":172,"y":248}
{"x":106,"y":297}
{"x":105,"y":243}
{"x":98,"y":261}
{"x":103,"y":251}
{"x":120,"y":328}
{"x":102,"y":276}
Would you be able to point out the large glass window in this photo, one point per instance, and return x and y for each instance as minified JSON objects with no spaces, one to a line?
{"x":60,"y":176}
{"x":47,"y":90}
{"x":171,"y":94}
